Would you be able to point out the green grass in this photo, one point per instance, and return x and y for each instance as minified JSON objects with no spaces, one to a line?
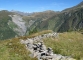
{"x":5,"y":31}
{"x":40,"y":33}
{"x":12,"y":25}
{"x":3,"y":51}
{"x":14,"y":50}
{"x":67,"y":44}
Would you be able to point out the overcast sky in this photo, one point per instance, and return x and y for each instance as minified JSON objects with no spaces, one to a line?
{"x":37,"y":5}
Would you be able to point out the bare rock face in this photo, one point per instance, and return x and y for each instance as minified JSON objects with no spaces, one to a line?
{"x":20,"y":28}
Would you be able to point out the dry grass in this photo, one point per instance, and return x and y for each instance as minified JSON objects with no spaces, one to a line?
{"x":13,"y":50}
{"x":36,"y":34}
{"x":40,"y":33}
{"x":67,"y":44}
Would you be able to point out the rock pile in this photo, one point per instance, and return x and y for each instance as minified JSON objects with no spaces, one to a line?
{"x":38,"y":49}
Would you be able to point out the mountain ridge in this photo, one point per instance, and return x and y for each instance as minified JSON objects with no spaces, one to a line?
{"x":64,"y":21}
{"x":67,"y":20}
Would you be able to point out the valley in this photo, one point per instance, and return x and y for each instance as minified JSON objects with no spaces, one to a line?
{"x":62,"y":31}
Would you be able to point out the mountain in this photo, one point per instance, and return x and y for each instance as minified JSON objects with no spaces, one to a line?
{"x":70,"y":19}
{"x":5,"y":31}
{"x":34,"y":19}
{"x":80,"y":5}
{"x":21,"y":13}
{"x":15,"y":23}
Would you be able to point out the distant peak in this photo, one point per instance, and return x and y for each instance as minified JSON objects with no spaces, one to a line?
{"x":80,"y":4}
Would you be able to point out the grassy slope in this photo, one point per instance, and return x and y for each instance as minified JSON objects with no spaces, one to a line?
{"x":68,"y":20}
{"x":13,"y":50}
{"x":5,"y":31}
{"x":70,"y":44}
{"x":38,"y":18}
{"x":73,"y":21}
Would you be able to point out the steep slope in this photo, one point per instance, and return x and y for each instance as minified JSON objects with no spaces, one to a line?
{"x":70,"y":19}
{"x":73,"y":18}
{"x":14,"y":24}
{"x":17,"y":24}
{"x":34,"y":19}
{"x":11,"y":25}
{"x":73,"y":21}
{"x":5,"y":31}
{"x":80,"y":5}
{"x":20,"y":28}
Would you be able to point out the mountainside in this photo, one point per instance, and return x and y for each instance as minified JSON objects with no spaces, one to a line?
{"x":70,"y":19}
{"x":34,"y":19}
{"x":5,"y":31}
{"x":21,"y":13}
{"x":80,"y":5}
{"x":11,"y":25}
{"x":20,"y":29}
{"x":15,"y":23}
{"x":73,"y":21}
{"x":47,"y":35}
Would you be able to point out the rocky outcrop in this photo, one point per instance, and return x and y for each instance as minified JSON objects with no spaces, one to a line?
{"x":38,"y":49}
{"x":21,"y":27}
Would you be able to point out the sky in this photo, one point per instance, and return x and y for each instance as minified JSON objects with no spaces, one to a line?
{"x":37,"y":5}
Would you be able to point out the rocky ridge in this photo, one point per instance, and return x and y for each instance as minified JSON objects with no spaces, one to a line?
{"x":37,"y":48}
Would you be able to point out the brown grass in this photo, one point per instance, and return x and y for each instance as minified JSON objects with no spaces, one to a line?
{"x":67,"y":44}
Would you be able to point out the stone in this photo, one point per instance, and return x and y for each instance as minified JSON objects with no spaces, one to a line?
{"x":37,"y":48}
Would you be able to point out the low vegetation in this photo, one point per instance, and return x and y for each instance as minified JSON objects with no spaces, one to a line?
{"x":40,"y":33}
{"x":5,"y":31}
{"x":66,"y":44}
{"x":13,"y":50}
